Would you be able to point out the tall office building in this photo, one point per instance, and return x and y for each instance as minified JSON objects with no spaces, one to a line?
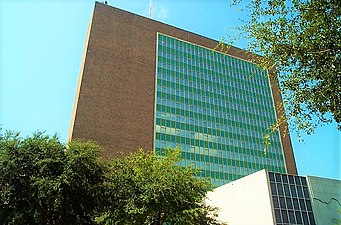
{"x":147,"y":84}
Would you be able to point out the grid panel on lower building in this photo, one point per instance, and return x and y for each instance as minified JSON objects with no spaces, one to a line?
{"x":291,"y":200}
{"x":216,"y":108}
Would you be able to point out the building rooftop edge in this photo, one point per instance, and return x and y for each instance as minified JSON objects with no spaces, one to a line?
{"x":237,"y":48}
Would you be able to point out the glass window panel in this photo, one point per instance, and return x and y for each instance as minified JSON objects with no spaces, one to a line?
{"x":273,"y":188}
{"x":293,"y":191}
{"x":284,"y":178}
{"x":291,"y":217}
{"x":297,"y":180}
{"x":306,"y":192}
{"x":275,"y":201}
{"x":305,"y":218}
{"x":282,"y":202}
{"x":291,"y":179}
{"x":285,"y":218}
{"x":298,"y":217}
{"x":295,"y":203}
{"x":311,"y":218}
{"x":300,"y":191}
{"x":278,"y":216}
{"x":308,"y":204}
{"x":289,"y":203}
{"x":278,"y":177}
{"x":302,"y":204}
{"x":286,"y":190}
{"x":280,"y":189}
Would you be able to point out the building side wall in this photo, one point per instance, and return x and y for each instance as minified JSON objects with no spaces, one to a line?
{"x":245,"y":201}
{"x":80,"y":77}
{"x":326,"y":199}
{"x":116,"y":99}
{"x":283,"y":127}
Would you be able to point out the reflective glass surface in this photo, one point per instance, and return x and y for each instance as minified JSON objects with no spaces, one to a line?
{"x":217,"y":108}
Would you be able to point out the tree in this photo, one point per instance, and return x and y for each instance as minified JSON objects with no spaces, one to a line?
{"x":147,"y":189}
{"x":43,"y":181}
{"x":301,"y":40}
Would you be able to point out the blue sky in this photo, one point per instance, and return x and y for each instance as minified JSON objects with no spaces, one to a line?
{"x":41,"y":44}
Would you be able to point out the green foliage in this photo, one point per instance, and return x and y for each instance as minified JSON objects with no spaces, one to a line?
{"x":44,"y":182}
{"x":147,"y":189}
{"x":301,"y":40}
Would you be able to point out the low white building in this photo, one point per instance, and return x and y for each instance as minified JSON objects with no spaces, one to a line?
{"x":266,"y":198}
{"x":244,"y":201}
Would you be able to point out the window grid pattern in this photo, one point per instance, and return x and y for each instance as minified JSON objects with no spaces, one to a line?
{"x":217,"y":109}
{"x":291,"y":200}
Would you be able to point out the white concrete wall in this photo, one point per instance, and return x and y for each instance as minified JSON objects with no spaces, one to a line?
{"x":244,"y":201}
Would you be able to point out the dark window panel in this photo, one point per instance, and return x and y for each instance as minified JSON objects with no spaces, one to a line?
{"x":280,"y":189}
{"x":286,"y":189}
{"x":298,"y":217}
{"x":308,"y":204}
{"x":297,"y":181}
{"x":291,"y":179}
{"x":300,"y":191}
{"x":306,"y":192}
{"x":291,"y":217}
{"x":275,"y":201}
{"x":289,"y":203}
{"x":278,"y":177}
{"x":293,"y":191}
{"x":271,"y":176}
{"x":278,"y":216}
{"x":273,"y":188}
{"x":296,"y":204}
{"x":303,"y":181}
{"x":285,"y":216}
{"x":311,"y":218}
{"x":284,"y":178}
{"x":302,"y":205}
{"x":305,"y":218}
{"x":282,"y":203}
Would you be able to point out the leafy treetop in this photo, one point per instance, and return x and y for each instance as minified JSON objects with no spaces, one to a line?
{"x":301,"y":40}
{"x":43,"y":181}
